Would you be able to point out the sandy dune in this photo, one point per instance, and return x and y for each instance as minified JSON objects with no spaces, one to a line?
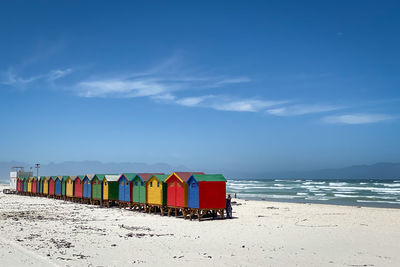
{"x":40,"y":231}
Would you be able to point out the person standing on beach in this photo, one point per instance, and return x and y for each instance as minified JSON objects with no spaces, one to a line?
{"x":228,"y":207}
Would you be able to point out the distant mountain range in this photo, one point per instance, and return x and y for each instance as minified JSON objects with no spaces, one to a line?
{"x":374,"y":171}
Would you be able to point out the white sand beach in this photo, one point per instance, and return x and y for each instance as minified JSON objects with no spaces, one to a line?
{"x":46,"y":232}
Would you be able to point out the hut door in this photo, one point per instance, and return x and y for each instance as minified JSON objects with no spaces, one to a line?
{"x":127,"y":191}
{"x":193,"y":195}
{"x":171,"y":193}
{"x":84,"y":188}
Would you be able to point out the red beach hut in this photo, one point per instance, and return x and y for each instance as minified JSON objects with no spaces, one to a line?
{"x":78,"y":188}
{"x":51,"y":186}
{"x":34,"y":181}
{"x":18,"y":184}
{"x":177,"y":190}
{"x":206,"y":193}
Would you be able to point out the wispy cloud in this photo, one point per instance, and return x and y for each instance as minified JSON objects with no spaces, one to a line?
{"x":357,"y":118}
{"x":193,"y":101}
{"x":123,"y":88}
{"x":227,"y":103}
{"x":58,"y":74}
{"x":168,"y":81}
{"x":296,"y":110}
{"x":249,"y":105}
{"x":232,"y":81}
{"x":13,"y":79}
{"x":160,"y":83}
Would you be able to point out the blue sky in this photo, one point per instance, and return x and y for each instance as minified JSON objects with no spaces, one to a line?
{"x":262,"y":86}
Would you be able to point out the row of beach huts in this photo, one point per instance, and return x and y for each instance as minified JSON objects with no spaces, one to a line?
{"x":182,"y":193}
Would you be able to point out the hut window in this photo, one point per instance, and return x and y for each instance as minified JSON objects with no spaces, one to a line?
{"x":171,"y":184}
{"x":136,"y":184}
{"x":122,"y":183}
{"x":105,"y":183}
{"x":141,"y":183}
{"x":158,"y":184}
{"x":151,"y":184}
{"x":126,"y":183}
{"x":179,"y":184}
{"x":193,"y":185}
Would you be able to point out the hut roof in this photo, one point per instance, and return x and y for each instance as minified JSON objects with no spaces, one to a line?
{"x":183,"y":176}
{"x":160,"y":177}
{"x":209,"y":177}
{"x":64,"y":178}
{"x":42,"y":177}
{"x":89,"y":176}
{"x":129,"y":176}
{"x":80,"y":177}
{"x":147,"y":176}
{"x":112,"y":177}
{"x":73,"y":177}
{"x":101,"y":176}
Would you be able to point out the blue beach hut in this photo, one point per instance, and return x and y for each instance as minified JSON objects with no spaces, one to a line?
{"x":57,"y":186}
{"x":38,"y":186}
{"x":124,"y":187}
{"x":87,"y":187}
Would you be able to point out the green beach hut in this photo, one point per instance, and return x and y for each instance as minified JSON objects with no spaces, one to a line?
{"x":26,"y":180}
{"x":110,"y":189}
{"x":138,"y":189}
{"x":63,"y":186}
{"x":97,"y":189}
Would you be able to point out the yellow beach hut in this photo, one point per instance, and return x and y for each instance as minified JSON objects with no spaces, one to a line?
{"x":156,"y":193}
{"x":45,"y":185}
{"x":29,"y":185}
{"x":69,"y":187}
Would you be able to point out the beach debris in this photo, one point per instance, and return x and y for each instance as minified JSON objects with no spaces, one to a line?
{"x":64,"y":259}
{"x":61,"y":243}
{"x":140,"y":235}
{"x":360,"y":265}
{"x":80,"y":256}
{"x":134,"y":228}
{"x":305,"y":225}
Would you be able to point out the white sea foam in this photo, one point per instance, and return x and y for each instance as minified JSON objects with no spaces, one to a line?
{"x":378,"y":201}
{"x":342,"y":195}
{"x":302,"y":194}
{"x":392,"y":185}
{"x":337,"y":184}
{"x":283,"y":196}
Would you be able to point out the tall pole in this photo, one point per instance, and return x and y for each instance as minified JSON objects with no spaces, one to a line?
{"x":37,"y":166}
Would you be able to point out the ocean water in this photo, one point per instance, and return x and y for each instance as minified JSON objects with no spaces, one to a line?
{"x":371,"y":192}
